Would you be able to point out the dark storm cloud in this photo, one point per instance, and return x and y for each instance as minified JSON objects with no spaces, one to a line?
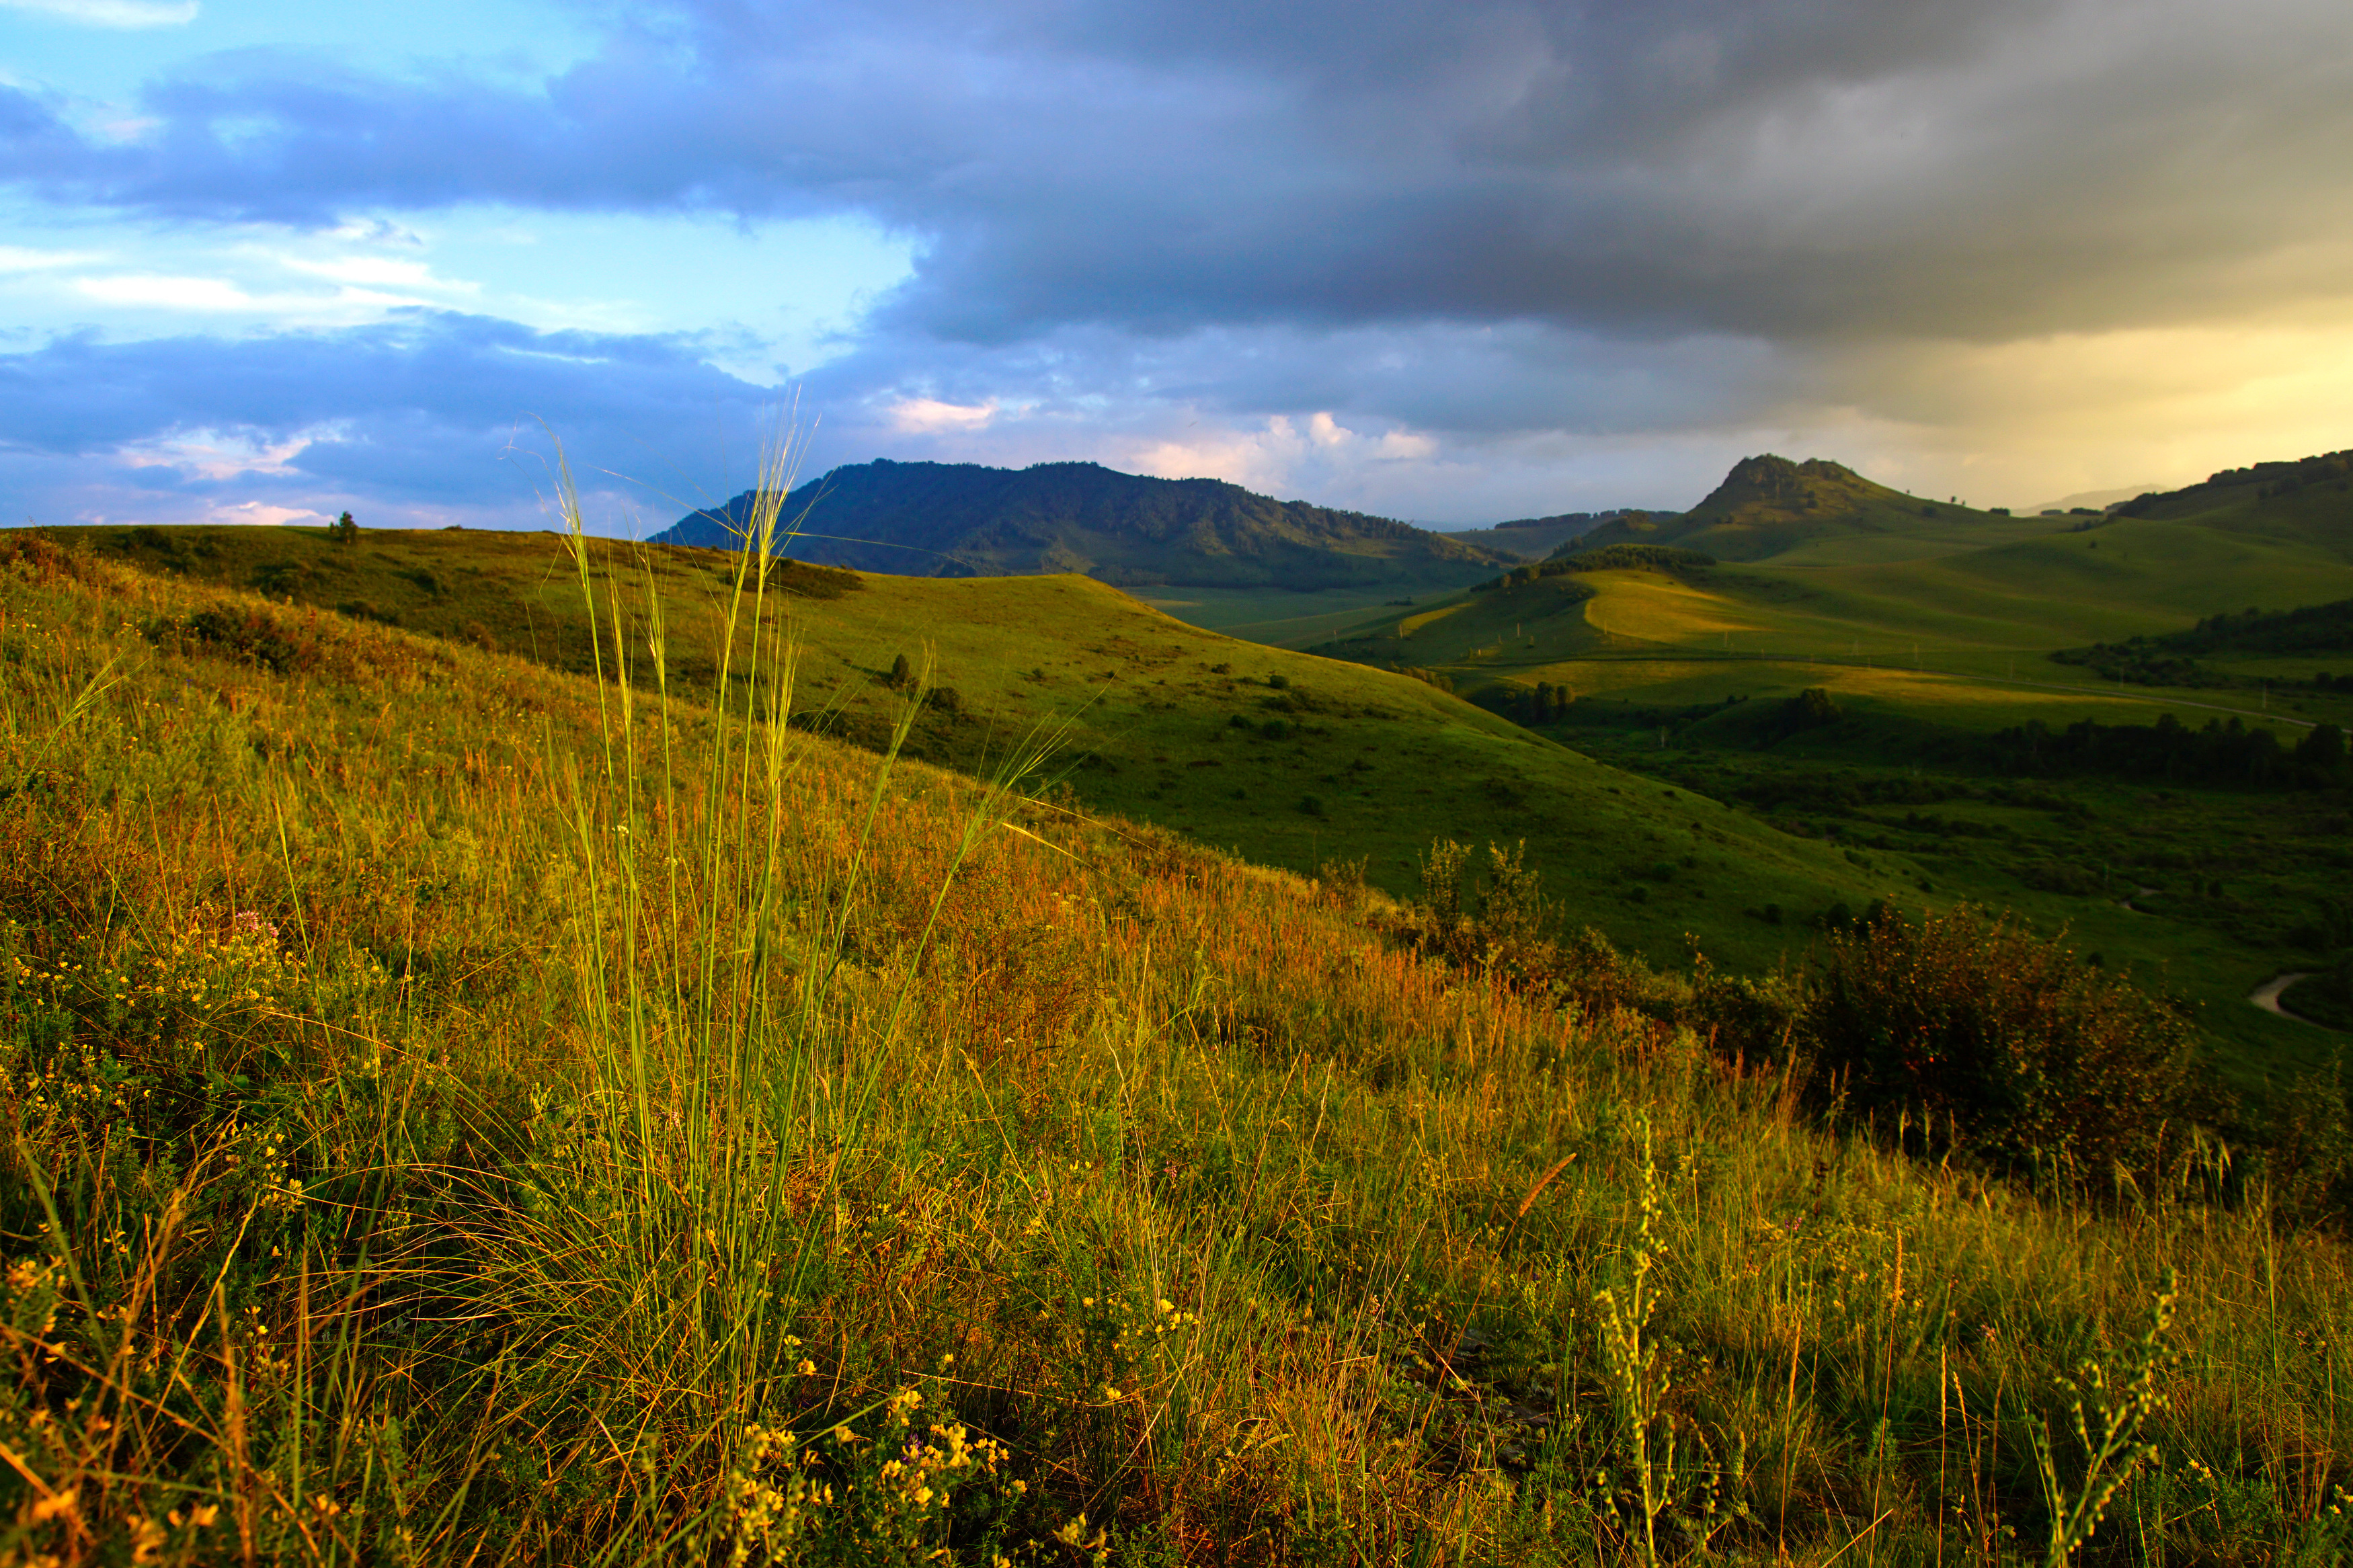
{"x":1815,"y":169}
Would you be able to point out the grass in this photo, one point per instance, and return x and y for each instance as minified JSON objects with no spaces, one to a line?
{"x":1162,"y":722}
{"x":470,"y":1113}
{"x":2205,"y":892}
{"x":1281,"y":617}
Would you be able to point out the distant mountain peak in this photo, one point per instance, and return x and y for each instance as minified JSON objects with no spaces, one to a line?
{"x":1128,"y":530}
{"x":1773,"y":484}
{"x":1769,"y":504}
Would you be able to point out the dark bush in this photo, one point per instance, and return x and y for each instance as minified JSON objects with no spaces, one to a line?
{"x":250,"y":637}
{"x":1809,"y":709}
{"x":2029,"y":1055}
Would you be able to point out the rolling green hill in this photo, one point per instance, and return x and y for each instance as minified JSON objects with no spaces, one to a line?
{"x":2307,"y":502}
{"x":964,"y":520}
{"x":1768,"y":506}
{"x":1292,"y":759}
{"x":1933,"y":645}
{"x":462,"y":1111}
{"x":1533,"y":538}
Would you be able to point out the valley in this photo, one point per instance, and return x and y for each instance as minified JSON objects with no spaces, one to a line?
{"x":561,"y":987}
{"x":1931,"y":639}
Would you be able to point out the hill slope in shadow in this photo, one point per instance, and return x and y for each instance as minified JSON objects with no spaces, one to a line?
{"x":963,"y":519}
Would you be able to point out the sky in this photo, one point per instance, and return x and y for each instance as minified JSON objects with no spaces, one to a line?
{"x":264,"y":261}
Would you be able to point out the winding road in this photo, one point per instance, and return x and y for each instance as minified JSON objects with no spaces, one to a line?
{"x":2267,"y":996}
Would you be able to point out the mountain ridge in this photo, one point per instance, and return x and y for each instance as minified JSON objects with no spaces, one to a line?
{"x":927,"y":518}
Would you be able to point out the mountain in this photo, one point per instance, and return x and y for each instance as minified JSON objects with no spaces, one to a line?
{"x":1768,"y":505}
{"x":1533,"y":537}
{"x":2308,"y":500}
{"x":961,"y":519}
{"x":2090,"y":500}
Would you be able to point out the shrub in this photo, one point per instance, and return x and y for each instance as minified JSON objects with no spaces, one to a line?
{"x":1441,"y":877}
{"x":1809,"y":709}
{"x":250,"y":637}
{"x":1511,"y":905}
{"x":2029,"y":1055}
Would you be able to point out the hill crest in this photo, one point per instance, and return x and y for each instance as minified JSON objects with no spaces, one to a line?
{"x":1769,"y":504}
{"x":927,"y":518}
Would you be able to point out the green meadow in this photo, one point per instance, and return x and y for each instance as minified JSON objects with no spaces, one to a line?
{"x":534,"y":1050}
{"x":1284,"y":758}
{"x":1929,"y":643}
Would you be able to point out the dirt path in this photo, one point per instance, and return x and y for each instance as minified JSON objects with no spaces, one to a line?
{"x":2267,"y":996}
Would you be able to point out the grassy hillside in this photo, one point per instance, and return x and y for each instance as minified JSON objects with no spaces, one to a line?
{"x":464,"y":1114}
{"x":1676,"y":673}
{"x":1285,"y":758}
{"x":1533,"y":537}
{"x":1769,"y":507}
{"x":2309,"y":500}
{"x":962,"y":519}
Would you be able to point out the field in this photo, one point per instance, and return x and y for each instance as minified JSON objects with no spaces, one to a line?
{"x":468,"y":1111}
{"x":1928,"y":652}
{"x":1285,"y":758}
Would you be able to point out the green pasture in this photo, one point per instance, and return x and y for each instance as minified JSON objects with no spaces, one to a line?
{"x":1278,"y":616}
{"x":1286,"y":758}
{"x":1675,"y":674}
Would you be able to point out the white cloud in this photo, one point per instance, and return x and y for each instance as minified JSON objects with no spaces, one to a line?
{"x":168,"y":293}
{"x":927,"y":415}
{"x":127,"y":14}
{"x":1261,"y":459}
{"x":262,"y":514}
{"x":387,"y":270}
{"x":25,"y":259}
{"x":216,"y":296}
{"x":219,"y":455}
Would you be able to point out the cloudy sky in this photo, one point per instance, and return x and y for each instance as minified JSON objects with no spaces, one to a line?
{"x":1458,"y":261}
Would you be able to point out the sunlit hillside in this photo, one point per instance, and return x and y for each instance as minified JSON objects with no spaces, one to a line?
{"x":465,"y":1111}
{"x":1942,"y":651}
{"x":1286,"y":758}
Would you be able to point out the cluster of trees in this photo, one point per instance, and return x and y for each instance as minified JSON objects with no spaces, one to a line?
{"x":1427,"y":677}
{"x":2221,"y":752}
{"x":1545,"y":704}
{"x":1570,"y":561}
{"x":1808,"y":710}
{"x":2270,"y":480}
{"x":2169,"y":660}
